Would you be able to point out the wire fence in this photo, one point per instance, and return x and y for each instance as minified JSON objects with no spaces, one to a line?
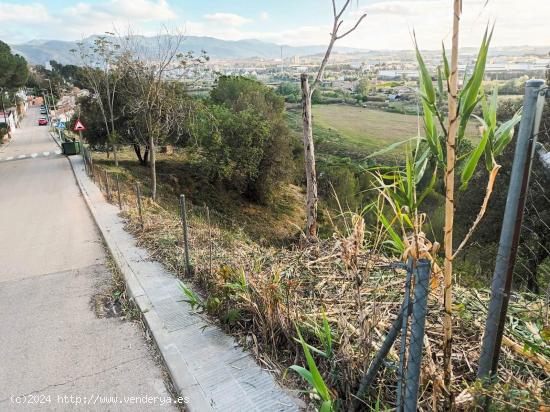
{"x":202,"y":254}
{"x":407,"y":365}
{"x":199,"y":241}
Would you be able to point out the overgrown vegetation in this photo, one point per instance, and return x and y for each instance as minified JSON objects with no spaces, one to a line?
{"x":14,"y":73}
{"x":342,"y":295}
{"x":323,"y":309}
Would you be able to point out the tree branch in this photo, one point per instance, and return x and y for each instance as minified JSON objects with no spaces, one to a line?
{"x":333,"y":37}
{"x":353,"y":28}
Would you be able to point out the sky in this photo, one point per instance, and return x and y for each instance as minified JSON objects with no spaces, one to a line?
{"x":388,"y":25}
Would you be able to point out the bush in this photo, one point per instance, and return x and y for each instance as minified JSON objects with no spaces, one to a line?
{"x":244,"y":138}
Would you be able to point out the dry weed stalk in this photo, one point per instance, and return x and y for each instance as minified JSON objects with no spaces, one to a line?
{"x":269,"y":290}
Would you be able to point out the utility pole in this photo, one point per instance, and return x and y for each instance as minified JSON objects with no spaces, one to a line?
{"x":55,"y":108}
{"x":282,"y":61}
{"x":45,"y":96}
{"x":51,"y":91}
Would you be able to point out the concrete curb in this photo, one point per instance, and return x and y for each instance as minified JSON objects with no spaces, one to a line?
{"x":205,"y":364}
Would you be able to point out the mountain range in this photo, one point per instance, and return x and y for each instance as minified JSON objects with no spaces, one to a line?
{"x":42,"y":51}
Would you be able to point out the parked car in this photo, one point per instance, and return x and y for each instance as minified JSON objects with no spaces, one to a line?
{"x":42,"y":121}
{"x":43,"y":111}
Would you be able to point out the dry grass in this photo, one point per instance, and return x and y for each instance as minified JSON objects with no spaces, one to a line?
{"x":275,"y":223}
{"x":260,"y":293}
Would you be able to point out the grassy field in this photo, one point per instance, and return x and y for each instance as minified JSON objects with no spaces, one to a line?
{"x":356,"y":132}
{"x":366,"y":129}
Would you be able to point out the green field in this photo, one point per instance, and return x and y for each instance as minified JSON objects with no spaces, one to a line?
{"x":356,"y":131}
{"x":366,"y":129}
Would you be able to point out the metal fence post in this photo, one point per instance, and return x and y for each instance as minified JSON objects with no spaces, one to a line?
{"x":510,"y":233}
{"x":183,"y":214}
{"x":98,"y":177}
{"x":379,"y":358}
{"x":84,"y":158}
{"x":418,"y":321}
{"x":138,"y":196}
{"x":209,"y":240}
{"x":404,"y":328}
{"x":107,"y":190}
{"x":118,"y":191}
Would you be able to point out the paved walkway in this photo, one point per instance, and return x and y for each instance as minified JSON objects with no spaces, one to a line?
{"x":52,"y":263}
{"x":206,"y":365}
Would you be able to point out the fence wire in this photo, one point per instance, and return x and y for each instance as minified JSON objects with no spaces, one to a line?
{"x":414,"y":379}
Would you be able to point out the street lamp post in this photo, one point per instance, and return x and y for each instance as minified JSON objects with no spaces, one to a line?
{"x":46,"y":104}
{"x":51,"y":93}
{"x":55,"y":108}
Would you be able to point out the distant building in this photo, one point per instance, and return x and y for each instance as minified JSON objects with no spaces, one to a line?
{"x":388,"y":75}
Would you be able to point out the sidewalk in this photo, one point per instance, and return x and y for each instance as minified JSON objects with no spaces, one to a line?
{"x":205,"y":364}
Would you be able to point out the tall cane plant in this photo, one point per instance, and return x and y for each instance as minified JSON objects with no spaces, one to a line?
{"x":402,"y":190}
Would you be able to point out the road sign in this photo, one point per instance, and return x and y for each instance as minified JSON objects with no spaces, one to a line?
{"x":78,"y":126}
{"x":60,"y":125}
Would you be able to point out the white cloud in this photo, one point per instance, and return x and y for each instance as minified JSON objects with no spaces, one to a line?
{"x":23,"y":13}
{"x":228,"y":19}
{"x":84,"y":19}
{"x":390,"y":23}
{"x":143,"y":10}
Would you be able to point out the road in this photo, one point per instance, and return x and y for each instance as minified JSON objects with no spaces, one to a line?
{"x":52,"y":264}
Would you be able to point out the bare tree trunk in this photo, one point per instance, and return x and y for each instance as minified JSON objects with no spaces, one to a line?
{"x":449,"y":209}
{"x":115,"y":156}
{"x":113,"y":136}
{"x":153,"y":166}
{"x":309,"y":154}
{"x":146,"y":156}
{"x":137,"y":150}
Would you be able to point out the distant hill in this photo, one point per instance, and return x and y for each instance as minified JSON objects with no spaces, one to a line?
{"x":42,"y":51}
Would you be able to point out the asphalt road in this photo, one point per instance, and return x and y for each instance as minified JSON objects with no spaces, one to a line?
{"x":52,"y":263}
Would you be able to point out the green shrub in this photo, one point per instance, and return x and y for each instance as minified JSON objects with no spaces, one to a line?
{"x":244,"y":139}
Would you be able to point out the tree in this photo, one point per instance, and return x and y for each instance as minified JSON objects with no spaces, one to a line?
{"x":494,"y":139}
{"x":404,"y":190}
{"x":290,"y":91}
{"x":14,"y":73}
{"x":255,"y":156}
{"x":103,"y":70}
{"x":95,"y":134}
{"x":68,"y":73}
{"x":156,"y":108}
{"x":307,"y":93}
{"x":363,"y":87}
{"x":13,"y":68}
